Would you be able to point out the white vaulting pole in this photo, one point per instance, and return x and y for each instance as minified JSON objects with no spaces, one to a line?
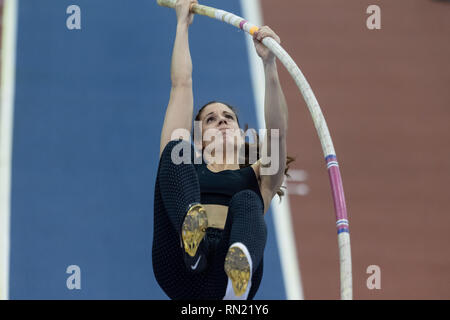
{"x":321,"y":128}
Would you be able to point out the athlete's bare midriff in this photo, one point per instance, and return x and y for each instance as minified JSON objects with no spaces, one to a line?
{"x":217,"y":215}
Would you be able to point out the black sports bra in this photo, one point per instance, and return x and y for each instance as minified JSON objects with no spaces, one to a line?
{"x":219,"y":187}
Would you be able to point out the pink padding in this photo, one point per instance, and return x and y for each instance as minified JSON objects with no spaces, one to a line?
{"x":338,"y":192}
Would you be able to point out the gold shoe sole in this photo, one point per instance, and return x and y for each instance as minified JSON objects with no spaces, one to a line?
{"x":237,"y":269}
{"x":194,"y":228}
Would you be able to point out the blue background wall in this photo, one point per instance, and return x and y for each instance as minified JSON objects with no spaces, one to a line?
{"x":89,"y":109}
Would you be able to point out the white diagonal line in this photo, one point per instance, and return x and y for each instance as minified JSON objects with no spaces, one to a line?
{"x":8,"y":64}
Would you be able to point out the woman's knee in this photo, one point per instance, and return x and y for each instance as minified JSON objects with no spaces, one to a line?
{"x":247,"y":219}
{"x":178,"y":151}
{"x":248,"y":200}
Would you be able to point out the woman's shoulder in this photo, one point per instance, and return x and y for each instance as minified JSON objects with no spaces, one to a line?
{"x":255,"y":166}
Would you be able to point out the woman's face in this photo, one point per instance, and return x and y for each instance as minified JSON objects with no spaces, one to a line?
{"x":219,"y":119}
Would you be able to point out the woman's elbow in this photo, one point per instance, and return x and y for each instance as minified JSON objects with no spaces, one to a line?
{"x":185,"y":81}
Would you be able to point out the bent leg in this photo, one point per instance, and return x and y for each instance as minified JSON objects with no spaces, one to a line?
{"x":178,"y":182}
{"x":247,"y":224}
{"x":167,"y":258}
{"x":247,"y":240}
{"x":180,"y":192}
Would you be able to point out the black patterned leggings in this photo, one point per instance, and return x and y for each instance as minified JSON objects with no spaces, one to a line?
{"x":176,"y":187}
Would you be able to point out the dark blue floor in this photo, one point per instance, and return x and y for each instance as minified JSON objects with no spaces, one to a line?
{"x":89,"y":109}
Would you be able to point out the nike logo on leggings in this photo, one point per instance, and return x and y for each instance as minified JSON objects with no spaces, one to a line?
{"x":196,"y":264}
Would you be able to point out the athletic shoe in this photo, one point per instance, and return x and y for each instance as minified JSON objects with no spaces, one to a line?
{"x":238,"y":269}
{"x":192,"y":233}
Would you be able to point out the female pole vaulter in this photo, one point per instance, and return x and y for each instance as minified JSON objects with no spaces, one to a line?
{"x":209,"y":228}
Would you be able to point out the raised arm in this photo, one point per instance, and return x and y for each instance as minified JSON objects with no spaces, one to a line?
{"x":275,"y":112}
{"x":181,"y":102}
